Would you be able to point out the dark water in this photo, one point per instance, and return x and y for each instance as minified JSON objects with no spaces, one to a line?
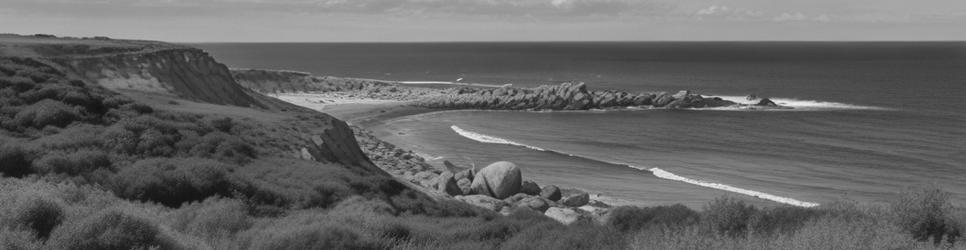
{"x":871,"y":118}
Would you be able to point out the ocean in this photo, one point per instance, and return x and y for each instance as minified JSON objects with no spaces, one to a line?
{"x":870,"y":119}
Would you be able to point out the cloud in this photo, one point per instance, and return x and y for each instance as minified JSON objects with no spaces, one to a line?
{"x":720,"y":12}
{"x":488,"y":8}
{"x":800,"y":17}
{"x":725,"y":12}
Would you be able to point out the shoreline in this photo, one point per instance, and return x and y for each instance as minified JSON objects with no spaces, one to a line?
{"x":372,"y":114}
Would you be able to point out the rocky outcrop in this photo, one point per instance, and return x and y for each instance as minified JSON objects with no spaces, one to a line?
{"x":338,"y":144}
{"x":500,"y":180}
{"x":566,"y":96}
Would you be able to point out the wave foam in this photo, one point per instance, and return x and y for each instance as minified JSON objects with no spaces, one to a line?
{"x":657,"y":172}
{"x":660,"y":173}
{"x":810,"y":105}
{"x":490,"y":139}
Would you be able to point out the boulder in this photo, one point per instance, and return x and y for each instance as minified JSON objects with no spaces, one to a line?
{"x":765,"y":102}
{"x":483,"y":201}
{"x":450,"y":167}
{"x":566,"y":216}
{"x":447,"y":184}
{"x":576,"y":199}
{"x":468,"y":174}
{"x":662,"y":99}
{"x":516,"y":198}
{"x":530,"y":187}
{"x":535,"y":203}
{"x":550,"y":192}
{"x":681,"y":94}
{"x":464,"y":185}
{"x":426,"y":179}
{"x":499,"y":180}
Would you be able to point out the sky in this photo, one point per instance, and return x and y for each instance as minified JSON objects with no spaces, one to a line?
{"x":489,"y":20}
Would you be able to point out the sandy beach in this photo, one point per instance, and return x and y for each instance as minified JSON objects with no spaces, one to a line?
{"x":359,"y":111}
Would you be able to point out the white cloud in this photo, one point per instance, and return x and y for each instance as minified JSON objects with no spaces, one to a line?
{"x":725,"y":12}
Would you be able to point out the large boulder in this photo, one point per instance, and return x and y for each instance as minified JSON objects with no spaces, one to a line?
{"x":576,"y":199}
{"x":499,"y":180}
{"x":529,"y":187}
{"x":566,"y":216}
{"x":483,"y":201}
{"x":551,"y":192}
{"x":447,"y":184}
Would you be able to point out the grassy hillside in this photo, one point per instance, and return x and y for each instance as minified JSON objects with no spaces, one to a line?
{"x":86,"y":167}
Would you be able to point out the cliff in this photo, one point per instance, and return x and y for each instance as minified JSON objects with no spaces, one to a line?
{"x":146,"y":66}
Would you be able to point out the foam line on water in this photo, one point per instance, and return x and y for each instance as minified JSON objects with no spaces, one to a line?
{"x":657,"y":172}
{"x":490,"y":139}
{"x":798,"y":104}
{"x":660,"y":173}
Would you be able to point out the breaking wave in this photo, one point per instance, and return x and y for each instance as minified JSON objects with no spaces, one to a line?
{"x":657,"y":172}
{"x":797,"y":105}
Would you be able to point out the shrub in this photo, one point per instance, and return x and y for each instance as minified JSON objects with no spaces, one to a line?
{"x":628,"y":219}
{"x":47,"y":112}
{"x":15,"y":239}
{"x":925,"y":213}
{"x":172,"y":182}
{"x":154,"y":142}
{"x":213,"y":218}
{"x":552,"y":235}
{"x":120,"y":140}
{"x":220,"y":146}
{"x":14,"y":162}
{"x":115,"y":101}
{"x":329,"y":237}
{"x":76,"y":163}
{"x":39,"y":215}
{"x":728,"y":216}
{"x":109,"y":230}
{"x":783,"y":220}
{"x":223,"y":124}
{"x":138,"y":107}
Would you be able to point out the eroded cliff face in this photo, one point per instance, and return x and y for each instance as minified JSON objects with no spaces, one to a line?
{"x":183,"y":72}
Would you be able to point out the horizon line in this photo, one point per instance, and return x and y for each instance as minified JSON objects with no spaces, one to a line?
{"x":588,"y":41}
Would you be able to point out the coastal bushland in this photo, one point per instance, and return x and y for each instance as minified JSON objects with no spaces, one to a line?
{"x":84,"y":167}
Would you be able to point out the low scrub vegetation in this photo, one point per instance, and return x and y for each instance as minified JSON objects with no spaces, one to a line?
{"x":82,"y":167}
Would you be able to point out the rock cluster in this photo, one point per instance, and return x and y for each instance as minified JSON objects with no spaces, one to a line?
{"x":566,"y":96}
{"x":499,"y":186}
